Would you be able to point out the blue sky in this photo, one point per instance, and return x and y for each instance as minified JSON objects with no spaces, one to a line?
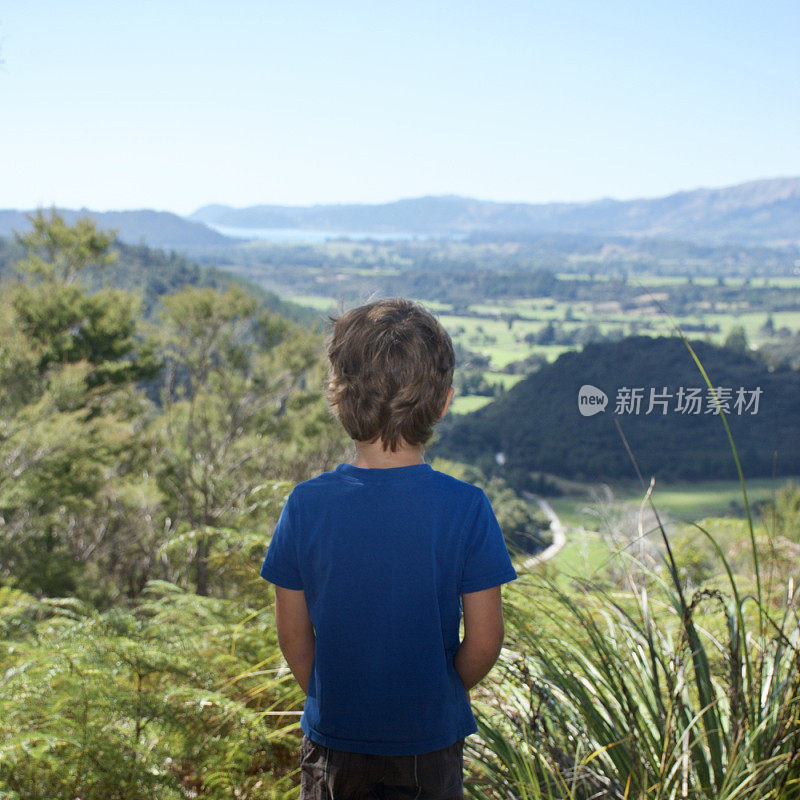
{"x":173,"y":104}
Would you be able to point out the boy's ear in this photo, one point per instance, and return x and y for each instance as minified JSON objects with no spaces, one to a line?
{"x":447,"y":402}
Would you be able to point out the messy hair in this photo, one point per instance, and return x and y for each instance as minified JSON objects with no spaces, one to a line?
{"x":390,"y":369}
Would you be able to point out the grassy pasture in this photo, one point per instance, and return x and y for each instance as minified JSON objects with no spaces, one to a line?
{"x":496,"y":335}
{"x":317,"y":302}
{"x":579,"y":511}
{"x":465,"y":404}
{"x":504,"y":341}
{"x":679,"y":501}
{"x":692,"y":501}
{"x":502,"y":378}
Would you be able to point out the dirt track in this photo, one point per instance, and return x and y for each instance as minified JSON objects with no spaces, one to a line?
{"x":559,"y":537}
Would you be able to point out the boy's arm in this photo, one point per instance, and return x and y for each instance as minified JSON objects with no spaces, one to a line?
{"x":483,"y":635}
{"x":295,"y":633}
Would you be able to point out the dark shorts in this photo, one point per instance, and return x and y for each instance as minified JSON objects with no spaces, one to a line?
{"x":327,"y":774}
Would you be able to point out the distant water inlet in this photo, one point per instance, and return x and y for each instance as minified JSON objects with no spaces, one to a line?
{"x":312,"y":235}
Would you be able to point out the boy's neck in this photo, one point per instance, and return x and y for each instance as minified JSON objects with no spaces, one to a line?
{"x":371,"y":455}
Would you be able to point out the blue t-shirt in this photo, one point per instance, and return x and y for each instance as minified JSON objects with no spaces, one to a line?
{"x":383,"y":556}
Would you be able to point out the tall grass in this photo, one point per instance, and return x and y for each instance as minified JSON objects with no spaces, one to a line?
{"x":647,"y":692}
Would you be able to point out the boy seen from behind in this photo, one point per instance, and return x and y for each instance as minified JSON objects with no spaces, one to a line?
{"x":373,"y":563}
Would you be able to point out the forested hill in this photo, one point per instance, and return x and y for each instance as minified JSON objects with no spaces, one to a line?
{"x":155,"y":228}
{"x":155,"y":273}
{"x":758,"y":212}
{"x":537,"y":425}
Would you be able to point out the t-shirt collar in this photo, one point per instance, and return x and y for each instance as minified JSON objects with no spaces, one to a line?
{"x":378,"y":475}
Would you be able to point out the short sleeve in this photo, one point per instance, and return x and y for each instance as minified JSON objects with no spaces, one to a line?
{"x":281,"y":564}
{"x":486,"y":559}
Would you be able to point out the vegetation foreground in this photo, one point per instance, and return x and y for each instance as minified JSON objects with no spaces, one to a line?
{"x":602,"y":692}
{"x":137,"y":649}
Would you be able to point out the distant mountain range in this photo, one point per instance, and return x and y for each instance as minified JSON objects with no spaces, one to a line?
{"x":154,"y":228}
{"x":764,"y":212}
{"x":758,"y":212}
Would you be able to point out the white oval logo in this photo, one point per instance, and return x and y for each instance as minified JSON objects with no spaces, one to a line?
{"x":591,"y":400}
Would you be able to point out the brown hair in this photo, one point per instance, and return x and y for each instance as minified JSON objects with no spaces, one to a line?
{"x":390,"y":369}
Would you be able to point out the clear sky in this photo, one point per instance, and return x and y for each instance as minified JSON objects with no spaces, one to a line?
{"x":113,"y":104}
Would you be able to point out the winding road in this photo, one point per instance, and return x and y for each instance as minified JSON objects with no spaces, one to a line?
{"x":559,"y":537}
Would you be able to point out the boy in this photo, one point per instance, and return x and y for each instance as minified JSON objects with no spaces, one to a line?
{"x":369,"y":562}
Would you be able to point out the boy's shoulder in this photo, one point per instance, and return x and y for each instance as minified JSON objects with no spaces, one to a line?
{"x":344,"y":478}
{"x":458,"y":486}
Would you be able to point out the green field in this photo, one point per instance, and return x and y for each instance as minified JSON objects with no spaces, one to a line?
{"x":491,"y":332}
{"x":588,"y":551}
{"x":502,"y":379}
{"x":328,"y":304}
{"x":318,"y":303}
{"x":707,"y":499}
{"x":678,"y":501}
{"x":498,"y":330}
{"x":467,"y":403}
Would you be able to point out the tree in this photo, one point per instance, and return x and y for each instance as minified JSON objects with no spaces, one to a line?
{"x":736,"y":340}
{"x":58,"y":252}
{"x":66,"y":324}
{"x":547,"y":334}
{"x":243,"y":410}
{"x":588,"y":333}
{"x":72,"y":484}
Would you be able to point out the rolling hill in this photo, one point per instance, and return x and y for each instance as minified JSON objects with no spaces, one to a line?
{"x":537,"y":426}
{"x":155,"y":228}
